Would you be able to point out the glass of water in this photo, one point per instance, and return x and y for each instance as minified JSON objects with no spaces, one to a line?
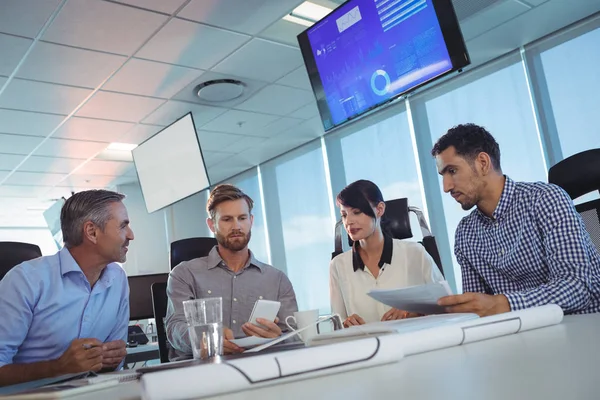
{"x":205,"y":326}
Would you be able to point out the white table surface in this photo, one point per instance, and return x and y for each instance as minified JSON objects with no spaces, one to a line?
{"x":558,"y":362}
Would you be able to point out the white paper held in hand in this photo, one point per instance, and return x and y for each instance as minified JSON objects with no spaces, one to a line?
{"x":420,"y":299}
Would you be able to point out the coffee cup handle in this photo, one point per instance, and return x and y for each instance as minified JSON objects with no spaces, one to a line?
{"x":288,"y":324}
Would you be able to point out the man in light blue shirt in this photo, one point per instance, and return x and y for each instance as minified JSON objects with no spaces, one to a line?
{"x":68,"y":313}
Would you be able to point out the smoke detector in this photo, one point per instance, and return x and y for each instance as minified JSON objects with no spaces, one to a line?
{"x":220,"y":90}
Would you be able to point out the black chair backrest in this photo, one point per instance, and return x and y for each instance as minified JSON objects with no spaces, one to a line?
{"x":159,"y":305}
{"x":578,"y":174}
{"x":590,"y":214}
{"x":396,"y":222}
{"x":14,"y":253}
{"x":188,"y":249}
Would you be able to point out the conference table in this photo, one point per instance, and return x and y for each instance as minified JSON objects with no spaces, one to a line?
{"x":557,"y":362}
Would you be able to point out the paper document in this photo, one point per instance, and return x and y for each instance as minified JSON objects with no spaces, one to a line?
{"x":418,"y":299}
{"x":390,"y":327}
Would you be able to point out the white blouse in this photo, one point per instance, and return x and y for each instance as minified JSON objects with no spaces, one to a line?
{"x":411,"y":265}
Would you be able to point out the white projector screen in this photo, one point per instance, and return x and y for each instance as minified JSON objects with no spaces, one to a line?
{"x":170,"y":165}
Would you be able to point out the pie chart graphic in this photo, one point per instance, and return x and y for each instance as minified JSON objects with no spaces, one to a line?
{"x":380,"y":82}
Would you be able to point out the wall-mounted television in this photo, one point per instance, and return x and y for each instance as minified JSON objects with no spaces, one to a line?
{"x":369,"y":52}
{"x":170,"y":165}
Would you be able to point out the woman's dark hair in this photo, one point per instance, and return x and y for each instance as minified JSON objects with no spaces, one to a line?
{"x":362,"y":194}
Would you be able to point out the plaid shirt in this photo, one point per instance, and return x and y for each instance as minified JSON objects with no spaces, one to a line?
{"x":534,"y":250}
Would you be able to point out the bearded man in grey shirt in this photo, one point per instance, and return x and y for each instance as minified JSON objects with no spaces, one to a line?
{"x":229,"y":271}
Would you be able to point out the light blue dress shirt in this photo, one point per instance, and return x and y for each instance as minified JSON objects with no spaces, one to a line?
{"x":46,"y":303}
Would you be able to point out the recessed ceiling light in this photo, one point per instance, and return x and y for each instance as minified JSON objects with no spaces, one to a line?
{"x":121,"y":146}
{"x":298,"y":21}
{"x":311,"y":11}
{"x":307,"y":13}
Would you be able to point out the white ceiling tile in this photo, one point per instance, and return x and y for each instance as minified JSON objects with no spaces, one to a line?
{"x":261,"y":59}
{"x":98,"y":130}
{"x":34,"y":179}
{"x":306,"y":112}
{"x":2,"y":80}
{"x":276,"y":99}
{"x":28,"y":123}
{"x":173,"y":110}
{"x":297,"y":78}
{"x":8,"y":162}
{"x":87,"y":181}
{"x":25,"y":17}
{"x":151,"y":78}
{"x":190,"y":92}
{"x":69,"y":148}
{"x":140,"y":133}
{"x":22,"y":191}
{"x":69,"y":66}
{"x":103,"y":167}
{"x":214,"y":157}
{"x":278,"y":126}
{"x":104,"y":26}
{"x":191,"y":44}
{"x":3,"y":174}
{"x":50,"y":164}
{"x":272,"y":148}
{"x":216,"y":141}
{"x":18,"y":144}
{"x":42,"y":97}
{"x":284,"y":32}
{"x":240,"y":122}
{"x":248,"y":16}
{"x":245,"y":143}
{"x":164,"y":6}
{"x":119,"y":107}
{"x":13,"y":49}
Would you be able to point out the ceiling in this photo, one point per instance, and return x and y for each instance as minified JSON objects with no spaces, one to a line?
{"x":76,"y":75}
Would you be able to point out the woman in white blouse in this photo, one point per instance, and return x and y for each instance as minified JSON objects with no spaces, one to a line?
{"x":376,"y":261}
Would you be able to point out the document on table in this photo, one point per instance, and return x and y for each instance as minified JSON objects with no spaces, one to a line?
{"x":418,"y":299}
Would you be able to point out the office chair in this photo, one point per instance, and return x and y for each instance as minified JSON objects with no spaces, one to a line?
{"x":188,"y":249}
{"x":14,"y":253}
{"x":181,"y":250}
{"x":159,"y":305}
{"x":396,"y":221}
{"x":579,"y":175}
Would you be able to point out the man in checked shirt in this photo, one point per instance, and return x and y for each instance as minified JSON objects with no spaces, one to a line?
{"x":524,"y":245}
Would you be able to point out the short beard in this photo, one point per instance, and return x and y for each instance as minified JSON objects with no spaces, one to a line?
{"x":233,"y":245}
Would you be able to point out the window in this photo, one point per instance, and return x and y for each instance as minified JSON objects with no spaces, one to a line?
{"x":500,"y":102}
{"x":571,"y":71}
{"x":307,"y":228}
{"x":42,"y":237}
{"x":383,"y":154}
{"x":249,"y":184}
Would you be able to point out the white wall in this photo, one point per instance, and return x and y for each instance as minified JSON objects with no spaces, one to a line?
{"x":149,"y":251}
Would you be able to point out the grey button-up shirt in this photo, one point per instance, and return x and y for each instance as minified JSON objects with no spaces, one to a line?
{"x":210,"y":277}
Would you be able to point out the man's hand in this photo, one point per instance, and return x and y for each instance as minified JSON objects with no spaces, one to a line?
{"x":394,"y":314}
{"x":112,"y":354}
{"x":82,"y":355}
{"x":266,"y":329}
{"x":353,"y":320}
{"x":228,"y":347}
{"x":478,"y":303}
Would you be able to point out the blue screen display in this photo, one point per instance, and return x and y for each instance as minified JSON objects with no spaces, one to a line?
{"x":368,"y":51}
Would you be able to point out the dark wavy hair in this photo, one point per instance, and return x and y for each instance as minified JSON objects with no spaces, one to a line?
{"x":469,"y":140}
{"x":362,"y":194}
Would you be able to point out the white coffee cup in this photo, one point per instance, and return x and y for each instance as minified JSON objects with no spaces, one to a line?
{"x":302,"y":319}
